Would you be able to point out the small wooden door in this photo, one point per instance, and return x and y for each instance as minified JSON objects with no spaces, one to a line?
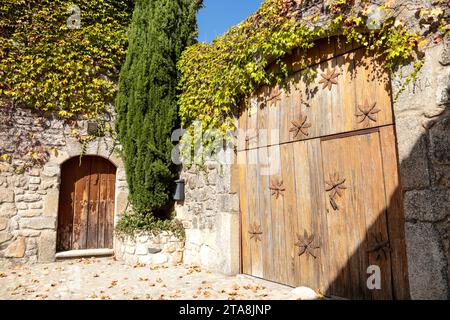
{"x":86,"y":205}
{"x":320,"y":197}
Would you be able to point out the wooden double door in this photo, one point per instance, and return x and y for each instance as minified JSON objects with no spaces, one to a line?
{"x":86,"y":204}
{"x":320,"y":200}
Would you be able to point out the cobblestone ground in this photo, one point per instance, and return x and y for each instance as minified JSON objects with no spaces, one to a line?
{"x":105,"y":278}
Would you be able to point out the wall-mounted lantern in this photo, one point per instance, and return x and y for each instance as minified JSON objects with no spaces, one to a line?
{"x":179,"y":190}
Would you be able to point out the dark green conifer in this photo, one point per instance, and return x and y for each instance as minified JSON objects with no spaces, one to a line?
{"x":146,"y":103}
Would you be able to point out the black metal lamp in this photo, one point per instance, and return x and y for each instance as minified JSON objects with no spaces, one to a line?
{"x":179,"y":190}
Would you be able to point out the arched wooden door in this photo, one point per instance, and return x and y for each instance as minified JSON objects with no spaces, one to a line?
{"x":86,"y":204}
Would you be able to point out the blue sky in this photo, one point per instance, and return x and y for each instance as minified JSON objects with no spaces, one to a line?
{"x":218,"y":16}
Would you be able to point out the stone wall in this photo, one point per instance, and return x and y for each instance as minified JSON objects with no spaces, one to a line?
{"x":210,"y":215}
{"x":422,"y":115}
{"x":149,"y":249}
{"x":29,"y":195}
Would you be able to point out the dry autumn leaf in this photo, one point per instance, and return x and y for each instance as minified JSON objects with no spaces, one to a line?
{"x":206,"y":294}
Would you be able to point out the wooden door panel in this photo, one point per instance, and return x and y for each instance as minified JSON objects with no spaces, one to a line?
{"x":324,"y":49}
{"x":334,"y":111}
{"x":86,"y":208}
{"x":362,"y":83}
{"x":361,"y":215}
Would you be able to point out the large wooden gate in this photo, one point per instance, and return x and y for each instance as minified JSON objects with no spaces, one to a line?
{"x":86,"y":204}
{"x":319,"y":190}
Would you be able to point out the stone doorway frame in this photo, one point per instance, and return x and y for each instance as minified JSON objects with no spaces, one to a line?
{"x":52,"y":171}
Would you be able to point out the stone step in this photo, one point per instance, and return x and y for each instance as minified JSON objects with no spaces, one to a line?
{"x":88,"y":253}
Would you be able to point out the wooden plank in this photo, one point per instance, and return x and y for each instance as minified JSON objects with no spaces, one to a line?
{"x":110,"y":208}
{"x":245,"y":224}
{"x":372,"y":84}
{"x":316,"y":210}
{"x":375,"y":205}
{"x":103,"y":173}
{"x":253,"y":206}
{"x":273,"y":113}
{"x":242,"y":129}
{"x":66,"y":206}
{"x":323,"y":50}
{"x":261,"y":116}
{"x":280,"y":256}
{"x":81,"y":205}
{"x":252,"y":134}
{"x":290,"y":212}
{"x":395,"y":213}
{"x":257,"y":245}
{"x":266,"y":213}
{"x":94,"y":202}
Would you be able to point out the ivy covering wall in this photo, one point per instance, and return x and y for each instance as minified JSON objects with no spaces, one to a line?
{"x":58,"y":57}
{"x":146,"y":103}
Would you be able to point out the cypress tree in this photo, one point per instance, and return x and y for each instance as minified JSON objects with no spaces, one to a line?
{"x":146,"y":103}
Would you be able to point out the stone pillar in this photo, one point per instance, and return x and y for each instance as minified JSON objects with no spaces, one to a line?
{"x":210,"y":214}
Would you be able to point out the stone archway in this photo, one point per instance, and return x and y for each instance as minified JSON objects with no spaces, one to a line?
{"x":51,"y":177}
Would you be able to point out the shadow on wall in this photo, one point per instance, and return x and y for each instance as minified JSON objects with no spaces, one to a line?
{"x":427,"y":230}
